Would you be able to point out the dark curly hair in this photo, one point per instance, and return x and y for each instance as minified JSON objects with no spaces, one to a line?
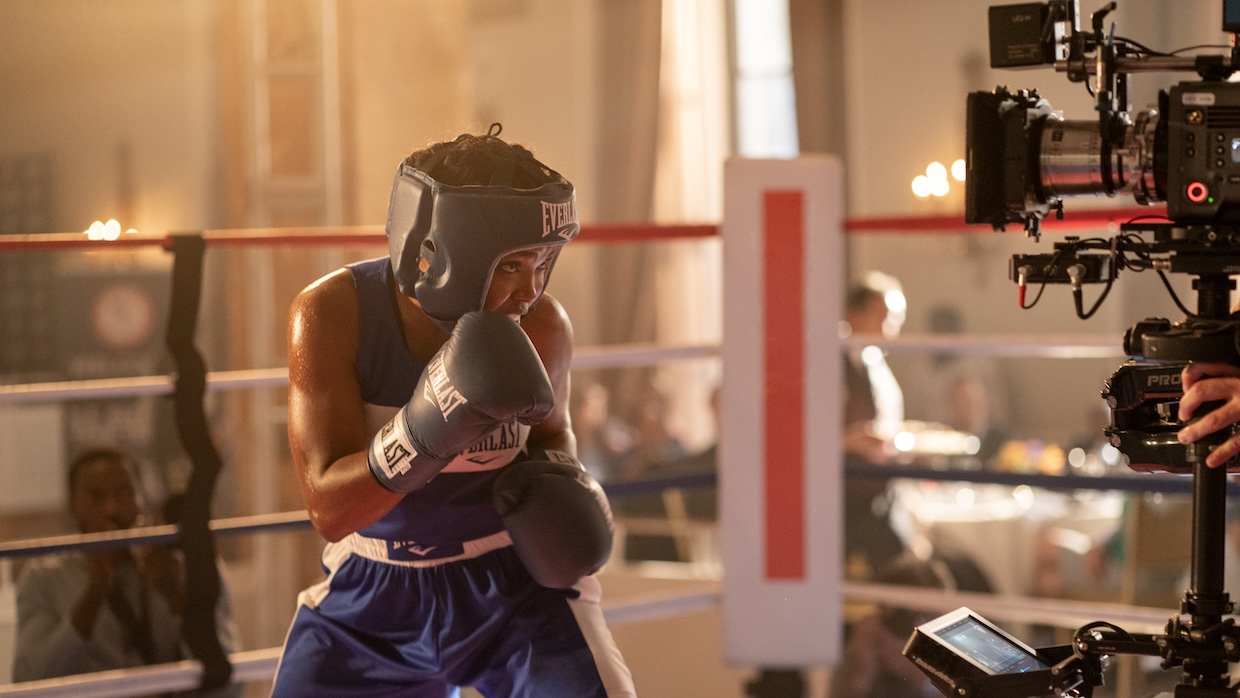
{"x":480,"y":160}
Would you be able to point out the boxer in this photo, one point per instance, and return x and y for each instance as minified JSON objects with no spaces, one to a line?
{"x":428,"y":422}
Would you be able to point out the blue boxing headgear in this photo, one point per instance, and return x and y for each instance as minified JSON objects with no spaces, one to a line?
{"x":445,"y":240}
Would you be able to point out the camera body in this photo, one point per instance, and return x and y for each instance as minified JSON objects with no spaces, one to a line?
{"x":1202,"y":152}
{"x":1023,"y":158}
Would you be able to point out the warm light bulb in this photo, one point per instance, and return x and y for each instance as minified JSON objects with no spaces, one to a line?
{"x":939,"y":187}
{"x":935,"y":171}
{"x":958,"y":170}
{"x":106,"y":231}
{"x":921,"y":186}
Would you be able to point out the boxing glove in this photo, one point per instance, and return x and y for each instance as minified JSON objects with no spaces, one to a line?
{"x":557,"y":515}
{"x":487,"y":374}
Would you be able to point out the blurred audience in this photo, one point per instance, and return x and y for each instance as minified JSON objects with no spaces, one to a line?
{"x":110,"y":608}
{"x":958,"y":390}
{"x":873,"y":411}
{"x":602,"y":439}
{"x":696,"y":503}
{"x":969,"y":411}
{"x":652,"y":443}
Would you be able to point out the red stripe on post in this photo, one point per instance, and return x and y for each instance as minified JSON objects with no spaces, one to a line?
{"x":784,"y":364}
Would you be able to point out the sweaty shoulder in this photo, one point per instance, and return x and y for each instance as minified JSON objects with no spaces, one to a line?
{"x":548,"y":321}
{"x":551,"y":332}
{"x":333,"y":293}
{"x":326,"y":310}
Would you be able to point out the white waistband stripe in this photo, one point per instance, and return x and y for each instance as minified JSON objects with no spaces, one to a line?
{"x":413,"y":554}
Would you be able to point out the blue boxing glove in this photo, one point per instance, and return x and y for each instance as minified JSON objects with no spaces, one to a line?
{"x":487,"y":374}
{"x":557,"y":515}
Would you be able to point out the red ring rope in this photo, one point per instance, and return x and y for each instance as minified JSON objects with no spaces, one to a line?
{"x":598,"y":233}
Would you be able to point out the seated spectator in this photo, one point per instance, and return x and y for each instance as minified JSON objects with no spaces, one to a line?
{"x":696,"y":502}
{"x":652,"y":443}
{"x":112,"y":608}
{"x":969,"y":411}
{"x":602,"y":440}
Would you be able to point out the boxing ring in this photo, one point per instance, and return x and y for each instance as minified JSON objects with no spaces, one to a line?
{"x":188,"y":385}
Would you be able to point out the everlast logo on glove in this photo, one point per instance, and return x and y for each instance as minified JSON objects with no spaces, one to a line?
{"x":439,"y":389}
{"x":557,"y":456}
{"x":396,"y":448}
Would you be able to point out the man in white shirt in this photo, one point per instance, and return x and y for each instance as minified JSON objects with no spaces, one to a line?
{"x":103,"y":609}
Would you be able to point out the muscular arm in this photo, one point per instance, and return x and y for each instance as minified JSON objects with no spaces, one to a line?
{"x":550,"y":330}
{"x":327,"y":424}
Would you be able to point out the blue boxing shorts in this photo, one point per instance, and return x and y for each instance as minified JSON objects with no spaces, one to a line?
{"x":384,"y":627}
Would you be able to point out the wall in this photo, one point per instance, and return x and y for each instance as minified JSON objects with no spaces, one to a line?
{"x":82,"y":80}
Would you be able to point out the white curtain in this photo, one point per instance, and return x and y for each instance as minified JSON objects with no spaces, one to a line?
{"x":694,"y":128}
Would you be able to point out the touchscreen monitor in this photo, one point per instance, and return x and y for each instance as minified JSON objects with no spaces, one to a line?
{"x":985,"y":646}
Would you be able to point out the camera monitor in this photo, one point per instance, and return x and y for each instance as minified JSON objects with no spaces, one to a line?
{"x":962,"y":645}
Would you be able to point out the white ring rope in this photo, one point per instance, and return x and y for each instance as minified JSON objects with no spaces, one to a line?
{"x":1063,"y":346}
{"x":609,"y":356}
{"x":151,"y":535}
{"x":258,"y":665}
{"x":185,"y":675}
{"x":622,"y":355}
{"x":1061,"y":613}
{"x":102,"y":388}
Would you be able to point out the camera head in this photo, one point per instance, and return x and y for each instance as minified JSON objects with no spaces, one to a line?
{"x":1023,"y":158}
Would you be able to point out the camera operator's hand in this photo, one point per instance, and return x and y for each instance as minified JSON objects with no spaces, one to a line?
{"x":1211,"y":382}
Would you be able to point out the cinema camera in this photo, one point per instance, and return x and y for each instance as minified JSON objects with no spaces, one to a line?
{"x":1023,"y":159}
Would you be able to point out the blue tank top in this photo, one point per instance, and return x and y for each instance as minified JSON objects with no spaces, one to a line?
{"x":455,"y":506}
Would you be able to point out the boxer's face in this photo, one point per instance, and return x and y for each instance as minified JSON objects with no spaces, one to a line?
{"x":518,"y":281}
{"x":103,"y":497}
